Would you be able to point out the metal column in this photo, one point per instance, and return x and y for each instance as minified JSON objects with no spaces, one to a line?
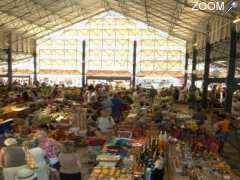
{"x":230,"y":80}
{"x":134,"y":64}
{"x":193,"y":76}
{"x":35,"y":67}
{"x":194,"y":64}
{"x":9,"y":62}
{"x":206,"y":74}
{"x":83,"y":62}
{"x":186,"y":68}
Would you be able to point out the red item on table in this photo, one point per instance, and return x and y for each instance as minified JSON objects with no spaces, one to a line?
{"x":137,"y":133}
{"x":95,"y":140}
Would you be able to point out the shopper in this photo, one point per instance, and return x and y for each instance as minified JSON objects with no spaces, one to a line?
{"x":222,"y":131}
{"x":39,"y":157}
{"x":12,"y":159}
{"x":51,"y":148}
{"x":181,"y":98}
{"x":176,"y":94}
{"x":106,"y":103}
{"x":158,"y":172}
{"x":70,"y":162}
{"x":105,"y":122}
{"x":152,"y":93}
{"x":117,"y":107}
{"x":200,"y":116}
{"x":55,"y":91}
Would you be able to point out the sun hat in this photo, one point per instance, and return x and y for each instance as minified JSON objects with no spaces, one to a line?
{"x":10,"y":141}
{"x":25,"y":174}
{"x":40,"y":134}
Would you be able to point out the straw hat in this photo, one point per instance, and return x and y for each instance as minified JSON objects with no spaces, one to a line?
{"x":41,"y":134}
{"x":10,"y":142}
{"x":25,"y":174}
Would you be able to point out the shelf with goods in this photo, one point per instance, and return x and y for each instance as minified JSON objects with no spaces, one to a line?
{"x":193,"y":153}
{"x":131,"y":161}
{"x":133,"y":150}
{"x":183,"y":164}
{"x":192,"y":150}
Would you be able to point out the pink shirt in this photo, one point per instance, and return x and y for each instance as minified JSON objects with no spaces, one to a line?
{"x":51,"y":148}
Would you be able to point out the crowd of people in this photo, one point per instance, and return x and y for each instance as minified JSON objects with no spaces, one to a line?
{"x":105,"y":109}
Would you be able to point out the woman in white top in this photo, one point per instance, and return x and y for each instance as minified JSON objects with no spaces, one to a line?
{"x":39,"y":157}
{"x":105,"y":122}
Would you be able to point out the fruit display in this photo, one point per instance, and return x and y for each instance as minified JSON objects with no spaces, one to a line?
{"x":108,"y":157}
{"x":110,"y":173}
{"x":191,"y":125}
{"x":204,"y":166}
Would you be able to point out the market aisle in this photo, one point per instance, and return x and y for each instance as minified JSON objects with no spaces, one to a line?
{"x":86,"y":167}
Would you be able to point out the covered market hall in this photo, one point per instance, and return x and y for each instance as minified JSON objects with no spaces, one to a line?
{"x":119,"y":90}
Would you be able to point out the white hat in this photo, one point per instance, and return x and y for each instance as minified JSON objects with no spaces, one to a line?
{"x":25,"y":174}
{"x":10,"y":141}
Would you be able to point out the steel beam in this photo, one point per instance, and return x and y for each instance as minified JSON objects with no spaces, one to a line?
{"x":219,"y":80}
{"x":181,"y":25}
{"x":193,"y":78}
{"x":134,"y":64}
{"x":62,"y":27}
{"x":230,"y":80}
{"x":142,"y":19}
{"x":83,"y":62}
{"x":35,"y":67}
{"x":216,"y":80}
{"x":186,"y":69}
{"x":206,"y":74}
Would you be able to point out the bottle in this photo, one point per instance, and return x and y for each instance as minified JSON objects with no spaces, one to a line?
{"x":161,"y":142}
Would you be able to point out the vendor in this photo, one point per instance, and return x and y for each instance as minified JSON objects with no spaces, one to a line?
{"x":200,"y":116}
{"x":105,"y":122}
{"x":12,"y":159}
